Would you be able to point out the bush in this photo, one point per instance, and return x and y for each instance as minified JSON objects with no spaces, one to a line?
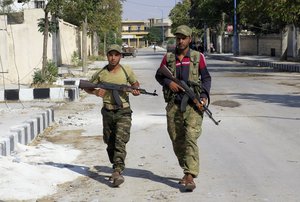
{"x":75,"y":59}
{"x":51,"y":74}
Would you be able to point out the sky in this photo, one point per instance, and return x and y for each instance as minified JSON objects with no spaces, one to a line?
{"x":145,"y":9}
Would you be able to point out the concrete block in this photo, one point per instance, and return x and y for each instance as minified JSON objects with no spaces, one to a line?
{"x":73,"y":94}
{"x":21,"y":134}
{"x":1,"y":95}
{"x":1,"y":148}
{"x":30,"y":130}
{"x":57,"y":93}
{"x":39,"y":119}
{"x":12,"y":143}
{"x":15,"y":136}
{"x":43,"y":120}
{"x":11,"y":94}
{"x":41,"y":93}
{"x":26,"y":94}
{"x":34,"y":127}
{"x":6,"y":147}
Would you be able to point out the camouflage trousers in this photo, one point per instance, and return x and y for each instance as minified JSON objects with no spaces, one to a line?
{"x":116,"y":133}
{"x":184,"y":129}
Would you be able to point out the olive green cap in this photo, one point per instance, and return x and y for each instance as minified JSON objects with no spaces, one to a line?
{"x":183,"y":29}
{"x":114,"y":47}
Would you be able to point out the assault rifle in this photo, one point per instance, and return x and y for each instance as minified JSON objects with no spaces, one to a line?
{"x":165,"y":72}
{"x":115,"y":88}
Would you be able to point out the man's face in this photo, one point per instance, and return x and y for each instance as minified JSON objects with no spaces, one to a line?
{"x":113,"y":57}
{"x":182,"y":41}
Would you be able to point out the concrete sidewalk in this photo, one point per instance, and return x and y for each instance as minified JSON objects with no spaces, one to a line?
{"x":20,"y":123}
{"x":263,"y":61}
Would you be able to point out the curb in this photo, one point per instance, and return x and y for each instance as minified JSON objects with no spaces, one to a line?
{"x":70,"y":93}
{"x":284,"y":67}
{"x":26,"y":132}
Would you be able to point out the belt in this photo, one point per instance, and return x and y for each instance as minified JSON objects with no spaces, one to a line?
{"x":114,"y":107}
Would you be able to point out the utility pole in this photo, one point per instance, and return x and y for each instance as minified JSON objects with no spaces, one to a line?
{"x":163,"y":29}
{"x":235,"y":34}
{"x":84,"y":46}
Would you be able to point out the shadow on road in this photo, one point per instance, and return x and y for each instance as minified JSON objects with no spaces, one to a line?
{"x":95,"y":173}
{"x":284,"y":100}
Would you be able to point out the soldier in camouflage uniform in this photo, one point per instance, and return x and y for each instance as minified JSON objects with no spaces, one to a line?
{"x":116,"y":118}
{"x":184,"y":125}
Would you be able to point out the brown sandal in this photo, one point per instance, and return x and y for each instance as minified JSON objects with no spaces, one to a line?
{"x":189,"y":183}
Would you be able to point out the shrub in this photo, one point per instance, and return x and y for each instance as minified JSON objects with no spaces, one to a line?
{"x":51,"y":74}
{"x":75,"y":59}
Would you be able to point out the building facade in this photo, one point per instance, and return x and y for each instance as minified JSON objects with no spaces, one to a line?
{"x":133,"y":33}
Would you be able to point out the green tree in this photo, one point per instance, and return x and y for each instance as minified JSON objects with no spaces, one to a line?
{"x":96,"y":17}
{"x":154,"y":35}
{"x":179,"y":15}
{"x":263,"y":16}
{"x":212,"y":14}
{"x":5,"y":6}
{"x":254,"y":16}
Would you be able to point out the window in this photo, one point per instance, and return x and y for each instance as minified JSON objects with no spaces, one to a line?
{"x":39,"y":4}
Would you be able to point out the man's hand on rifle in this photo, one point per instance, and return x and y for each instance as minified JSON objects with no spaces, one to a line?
{"x":203,"y":103}
{"x":100,"y":92}
{"x":136,"y":92}
{"x":175,"y":87}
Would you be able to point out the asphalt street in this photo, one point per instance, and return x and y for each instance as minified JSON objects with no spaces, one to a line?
{"x":253,"y":155}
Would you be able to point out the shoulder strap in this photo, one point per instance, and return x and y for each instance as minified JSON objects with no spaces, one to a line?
{"x":195,"y":57}
{"x":171,"y":62}
{"x":127,"y":77}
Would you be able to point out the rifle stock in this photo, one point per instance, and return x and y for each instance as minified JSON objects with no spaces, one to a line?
{"x":164,"y":71}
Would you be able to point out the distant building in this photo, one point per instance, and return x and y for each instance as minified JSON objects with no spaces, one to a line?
{"x":164,"y":24}
{"x":18,"y":5}
{"x":133,"y":33}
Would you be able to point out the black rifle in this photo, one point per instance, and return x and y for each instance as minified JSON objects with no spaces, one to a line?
{"x":115,"y":88}
{"x":165,"y":72}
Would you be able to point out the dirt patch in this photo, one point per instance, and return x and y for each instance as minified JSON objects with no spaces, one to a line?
{"x":226,"y":103}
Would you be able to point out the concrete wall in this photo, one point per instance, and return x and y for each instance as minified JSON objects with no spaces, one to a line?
{"x":285,"y":45}
{"x":22,"y":47}
{"x":248,"y":45}
{"x":269,"y":45}
{"x":266,"y":43}
{"x":67,"y":41}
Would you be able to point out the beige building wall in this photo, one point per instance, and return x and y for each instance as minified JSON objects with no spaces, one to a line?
{"x":68,"y":42}
{"x":24,"y":45}
{"x":21,"y":47}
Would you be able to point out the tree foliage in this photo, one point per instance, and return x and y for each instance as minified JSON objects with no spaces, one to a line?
{"x":211,"y":13}
{"x":179,"y":15}
{"x":5,"y":6}
{"x":102,"y":15}
{"x":255,"y":16}
{"x":154,"y":35}
{"x":264,"y":16}
{"x":259,"y":16}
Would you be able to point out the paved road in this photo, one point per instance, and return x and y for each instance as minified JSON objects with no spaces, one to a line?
{"x":253,"y":155}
